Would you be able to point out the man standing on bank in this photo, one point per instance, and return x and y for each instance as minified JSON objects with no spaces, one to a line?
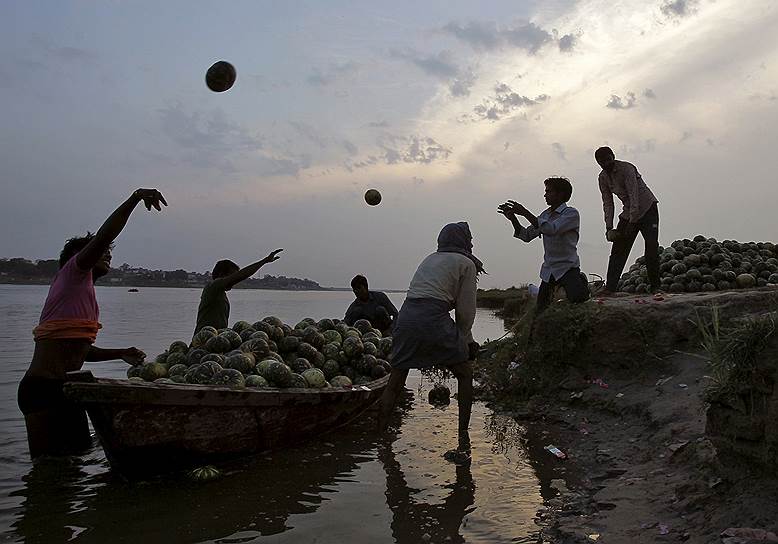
{"x":66,"y":333}
{"x":639,"y":214}
{"x":559,"y":226}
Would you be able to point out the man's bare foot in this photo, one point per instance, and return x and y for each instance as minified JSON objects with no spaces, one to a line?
{"x":604,"y":293}
{"x":458,"y":457}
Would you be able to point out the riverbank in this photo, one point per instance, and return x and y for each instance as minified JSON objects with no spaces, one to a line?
{"x":661,"y":443}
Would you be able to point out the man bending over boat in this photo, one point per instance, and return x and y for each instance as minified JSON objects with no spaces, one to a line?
{"x":66,"y":333}
{"x":424,"y":333}
{"x":214,"y":309}
{"x":374,"y":306}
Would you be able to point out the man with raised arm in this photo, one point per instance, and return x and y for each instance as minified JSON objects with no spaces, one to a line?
{"x":65,"y":336}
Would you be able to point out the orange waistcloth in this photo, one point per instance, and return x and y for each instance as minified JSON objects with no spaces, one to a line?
{"x":57,"y":329}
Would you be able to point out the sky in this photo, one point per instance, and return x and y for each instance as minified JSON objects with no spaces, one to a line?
{"x":447,"y":107}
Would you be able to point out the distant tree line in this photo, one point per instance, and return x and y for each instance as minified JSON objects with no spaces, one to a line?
{"x":25,"y":271}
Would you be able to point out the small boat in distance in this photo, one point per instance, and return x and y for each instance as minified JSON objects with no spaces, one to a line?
{"x":132,"y":290}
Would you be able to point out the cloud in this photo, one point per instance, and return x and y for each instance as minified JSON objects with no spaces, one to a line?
{"x":64,"y":53}
{"x":403,"y":149}
{"x":687,"y":135}
{"x":487,"y":35}
{"x":646,"y":146}
{"x":559,"y":150}
{"x":678,"y":8}
{"x":505,"y":101}
{"x":331,"y":74}
{"x":378,"y":124}
{"x":649,"y":93}
{"x":618,"y":103}
{"x":350,"y":148}
{"x":567,"y":42}
{"x":441,"y":66}
{"x":310,"y":133}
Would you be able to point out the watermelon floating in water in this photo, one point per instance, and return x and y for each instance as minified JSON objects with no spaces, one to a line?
{"x":152,"y":371}
{"x":178,"y":346}
{"x":256,"y":381}
{"x":228,"y":377}
{"x":340,"y":381}
{"x":314,"y":377}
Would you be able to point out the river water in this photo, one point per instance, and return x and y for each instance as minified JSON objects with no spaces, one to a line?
{"x":350,"y":486}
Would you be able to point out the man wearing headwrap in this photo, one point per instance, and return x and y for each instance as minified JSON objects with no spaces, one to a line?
{"x":424,"y":334}
{"x":559,"y":227}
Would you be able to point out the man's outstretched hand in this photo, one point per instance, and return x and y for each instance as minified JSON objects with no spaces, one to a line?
{"x":273,"y":256}
{"x":133,"y":356}
{"x":151,"y":198}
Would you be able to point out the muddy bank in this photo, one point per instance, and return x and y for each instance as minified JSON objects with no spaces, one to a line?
{"x":665,"y":440}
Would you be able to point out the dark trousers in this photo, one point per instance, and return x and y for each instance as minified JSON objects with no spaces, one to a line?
{"x":648,"y":226}
{"x":574,"y":282}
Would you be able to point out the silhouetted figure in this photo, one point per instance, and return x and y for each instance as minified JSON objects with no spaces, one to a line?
{"x":214,"y":308}
{"x":559,"y":227}
{"x":66,"y":333}
{"x":639,"y":214}
{"x":374,"y":306}
{"x":424,"y":333}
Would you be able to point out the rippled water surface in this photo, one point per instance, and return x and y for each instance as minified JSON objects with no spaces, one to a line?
{"x":350,"y":486}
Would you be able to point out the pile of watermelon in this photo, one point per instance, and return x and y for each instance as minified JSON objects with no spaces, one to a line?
{"x":705,"y":264}
{"x":269,"y":353}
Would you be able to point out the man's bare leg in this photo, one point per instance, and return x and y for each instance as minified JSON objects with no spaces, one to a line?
{"x":389,"y":397}
{"x":464,"y":375}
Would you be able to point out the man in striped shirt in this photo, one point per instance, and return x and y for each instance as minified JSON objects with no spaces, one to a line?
{"x":639,"y":214}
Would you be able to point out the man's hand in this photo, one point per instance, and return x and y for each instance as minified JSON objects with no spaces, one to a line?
{"x":150,"y":197}
{"x":505,"y":209}
{"x":133,"y":356}
{"x":472,"y":350}
{"x":612,"y":235}
{"x":518,"y":209}
{"x":273,"y":256}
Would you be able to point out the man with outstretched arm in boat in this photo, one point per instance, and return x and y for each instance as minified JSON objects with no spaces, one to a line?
{"x":424,"y":335}
{"x":214,"y":308}
{"x":374,"y":306}
{"x":65,"y":336}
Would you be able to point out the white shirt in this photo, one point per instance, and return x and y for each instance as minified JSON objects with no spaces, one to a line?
{"x":560,"y":230}
{"x":449,"y":277}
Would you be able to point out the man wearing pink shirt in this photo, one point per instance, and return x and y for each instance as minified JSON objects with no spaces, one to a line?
{"x":66,"y":333}
{"x":639,"y":214}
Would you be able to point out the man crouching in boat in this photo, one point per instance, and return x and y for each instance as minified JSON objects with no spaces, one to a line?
{"x":65,"y":335}
{"x":425,"y":335}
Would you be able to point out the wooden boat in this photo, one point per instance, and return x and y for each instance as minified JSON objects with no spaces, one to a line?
{"x":147,"y":428}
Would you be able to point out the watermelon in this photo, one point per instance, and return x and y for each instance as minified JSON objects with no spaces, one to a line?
{"x":363,"y":325}
{"x":246,"y":334}
{"x":262,"y":335}
{"x":341,"y":328}
{"x":273,"y":320}
{"x":352,"y":333}
{"x":371,"y":349}
{"x":176,"y":358}
{"x":325,"y":324}
{"x":218,"y":344}
{"x":385,"y":346}
{"x":178,"y":346}
{"x":152,"y":371}
{"x":277,"y":334}
{"x":233,"y":337}
{"x":262,"y":367}
{"x":258,"y":347}
{"x":228,"y":377}
{"x":365,"y":364}
{"x":214,"y":357}
{"x":330,"y":351}
{"x":279,"y":374}
{"x":263,"y":326}
{"x":288,"y":343}
{"x":340,"y":381}
{"x":176,"y":370}
{"x":384,"y":363}
{"x":331,"y":369}
{"x":305,"y":322}
{"x":353,"y":347}
{"x":306,"y":350}
{"x":348,"y":371}
{"x":134,"y":371}
{"x":178,"y":378}
{"x":164,"y":380}
{"x":202,"y":373}
{"x":201,"y":338}
{"x":313,"y":337}
{"x":314,"y":377}
{"x":318,"y":360}
{"x":298,"y":382}
{"x":240,"y":326}
{"x":257,"y":382}
{"x":276,"y":356}
{"x":378,"y":333}
{"x":378,"y":372}
{"x":242,"y":362}
{"x":333,"y":337}
{"x":300,"y":365}
{"x":773,"y":278}
{"x":161,"y":358}
{"x":745,"y":281}
{"x":195,"y":356}
{"x":136,"y":379}
{"x":287,"y":329}
{"x":723,"y":285}
{"x":362,"y":380}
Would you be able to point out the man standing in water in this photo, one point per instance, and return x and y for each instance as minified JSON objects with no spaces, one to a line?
{"x":425,"y":335}
{"x":374,"y":306}
{"x":66,"y":333}
{"x":214,"y":309}
{"x":639,"y":214}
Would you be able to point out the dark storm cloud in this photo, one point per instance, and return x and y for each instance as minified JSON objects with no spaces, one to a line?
{"x":332,"y":73}
{"x":618,"y":103}
{"x":504,"y":102}
{"x":486,"y":35}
